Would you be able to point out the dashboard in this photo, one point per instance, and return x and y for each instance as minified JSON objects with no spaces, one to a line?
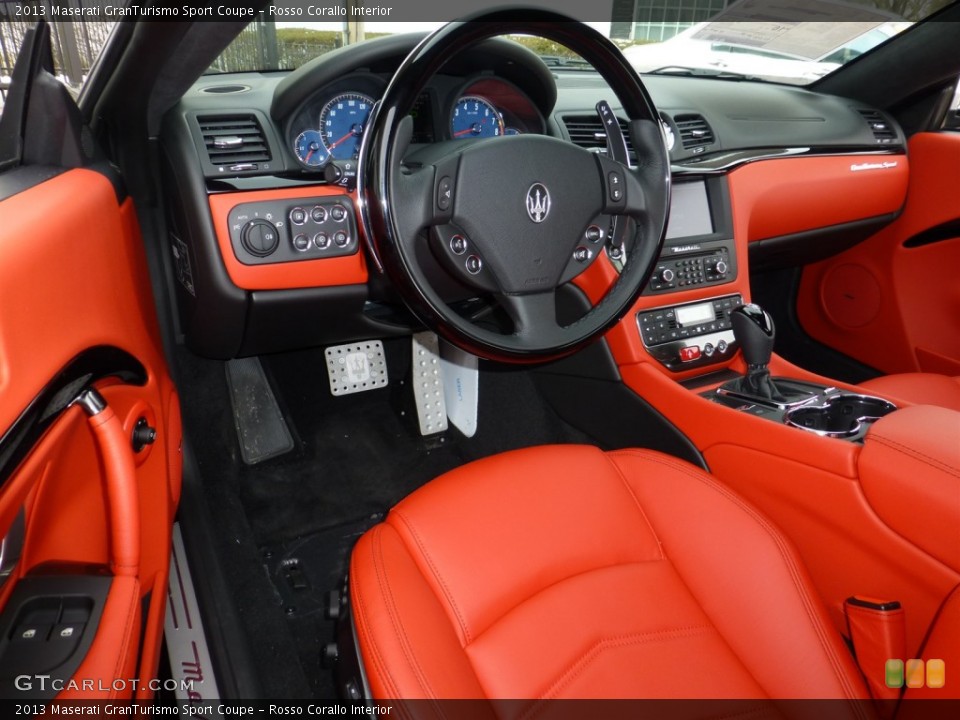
{"x":258,"y":171}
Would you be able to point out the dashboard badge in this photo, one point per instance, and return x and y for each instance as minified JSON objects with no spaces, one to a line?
{"x":538,"y":202}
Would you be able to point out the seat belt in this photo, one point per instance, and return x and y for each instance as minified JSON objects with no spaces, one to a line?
{"x":877,"y":631}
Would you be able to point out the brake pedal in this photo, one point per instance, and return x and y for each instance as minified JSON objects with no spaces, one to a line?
{"x":356,"y":367}
{"x":428,"y":393}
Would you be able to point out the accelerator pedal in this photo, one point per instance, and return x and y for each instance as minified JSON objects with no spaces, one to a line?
{"x":261,"y":428}
{"x":428,"y":393}
{"x":356,"y":367}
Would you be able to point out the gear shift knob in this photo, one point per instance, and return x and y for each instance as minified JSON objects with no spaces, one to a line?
{"x":753,"y":327}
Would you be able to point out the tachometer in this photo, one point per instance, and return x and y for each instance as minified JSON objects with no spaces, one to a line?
{"x":342,"y":122}
{"x":309,"y":149}
{"x":473,"y":116}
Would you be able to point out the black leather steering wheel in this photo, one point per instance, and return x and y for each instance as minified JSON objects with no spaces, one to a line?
{"x":511,"y":216}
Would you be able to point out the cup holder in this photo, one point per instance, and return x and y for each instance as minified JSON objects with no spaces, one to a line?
{"x":839,"y":416}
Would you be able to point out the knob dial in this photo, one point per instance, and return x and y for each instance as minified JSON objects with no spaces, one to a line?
{"x":720,"y":267}
{"x":667,"y":275}
{"x":259,"y":237}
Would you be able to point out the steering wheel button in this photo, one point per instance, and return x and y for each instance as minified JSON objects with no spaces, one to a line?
{"x":340,"y":238}
{"x":458,"y":244}
{"x":582,"y":254}
{"x":298,"y":216}
{"x":615,"y":183}
{"x":474,"y":264}
{"x":319,"y":213}
{"x":594,"y":234}
{"x":444,"y":193}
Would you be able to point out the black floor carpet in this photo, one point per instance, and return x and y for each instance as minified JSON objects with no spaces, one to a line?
{"x":285,"y":527}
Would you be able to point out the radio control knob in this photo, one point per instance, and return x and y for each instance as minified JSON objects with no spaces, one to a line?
{"x":721,"y":267}
{"x":667,"y":275}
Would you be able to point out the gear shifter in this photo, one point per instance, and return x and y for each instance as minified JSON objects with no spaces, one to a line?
{"x":755,"y":332}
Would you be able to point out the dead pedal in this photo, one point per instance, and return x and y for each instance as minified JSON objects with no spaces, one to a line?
{"x":356,"y":367}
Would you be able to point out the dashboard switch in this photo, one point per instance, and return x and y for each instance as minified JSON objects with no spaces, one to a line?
{"x":298,"y":216}
{"x":689,"y":354}
{"x":259,"y":237}
{"x":301,"y":242}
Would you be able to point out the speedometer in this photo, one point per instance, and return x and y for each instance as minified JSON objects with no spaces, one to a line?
{"x":474,"y":116}
{"x":342,"y":121}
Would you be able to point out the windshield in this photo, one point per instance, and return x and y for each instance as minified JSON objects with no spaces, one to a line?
{"x":752,"y":39}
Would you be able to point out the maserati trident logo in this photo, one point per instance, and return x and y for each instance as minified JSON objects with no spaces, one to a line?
{"x":538,"y":202}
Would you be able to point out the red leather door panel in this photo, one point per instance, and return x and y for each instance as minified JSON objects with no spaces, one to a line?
{"x":73,"y":277}
{"x":892,"y":306}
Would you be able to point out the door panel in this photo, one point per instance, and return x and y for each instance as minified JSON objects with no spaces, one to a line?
{"x":893,"y":301}
{"x":73,"y":281}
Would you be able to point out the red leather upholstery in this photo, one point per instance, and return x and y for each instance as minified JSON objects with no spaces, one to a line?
{"x":565,"y":572}
{"x":918,"y":389}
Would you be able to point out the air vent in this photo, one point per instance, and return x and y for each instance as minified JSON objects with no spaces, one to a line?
{"x":587,"y":132}
{"x":233,"y":139}
{"x":881,"y":128}
{"x":694,"y":131}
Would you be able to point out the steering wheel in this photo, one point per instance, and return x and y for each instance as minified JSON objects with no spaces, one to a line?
{"x":514,"y":216}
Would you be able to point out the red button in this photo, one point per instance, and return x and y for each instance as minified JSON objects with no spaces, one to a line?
{"x":689,"y":353}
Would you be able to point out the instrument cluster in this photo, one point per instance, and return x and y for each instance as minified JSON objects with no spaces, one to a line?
{"x":330,"y":125}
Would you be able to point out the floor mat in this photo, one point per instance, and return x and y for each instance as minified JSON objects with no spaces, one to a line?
{"x":354,"y":457}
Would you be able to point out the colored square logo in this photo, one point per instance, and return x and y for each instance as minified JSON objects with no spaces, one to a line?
{"x":936,"y":673}
{"x":893,"y":673}
{"x":914,"y":673}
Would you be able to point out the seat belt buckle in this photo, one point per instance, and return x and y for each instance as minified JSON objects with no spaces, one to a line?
{"x":878,"y":633}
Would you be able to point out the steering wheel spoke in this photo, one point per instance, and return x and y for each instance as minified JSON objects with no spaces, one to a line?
{"x":534,"y":316}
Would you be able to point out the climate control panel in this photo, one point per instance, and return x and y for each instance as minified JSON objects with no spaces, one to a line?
{"x":279,"y":231}
{"x":691,"y":335}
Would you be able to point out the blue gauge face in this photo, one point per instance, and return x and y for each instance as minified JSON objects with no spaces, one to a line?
{"x":342,"y":122}
{"x":475,"y":117}
{"x":309,"y":149}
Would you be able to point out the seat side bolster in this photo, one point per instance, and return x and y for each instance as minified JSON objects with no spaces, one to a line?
{"x":408,"y":647}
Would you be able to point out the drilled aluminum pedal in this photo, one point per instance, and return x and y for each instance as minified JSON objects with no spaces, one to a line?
{"x":356,"y":367}
{"x":428,"y":384}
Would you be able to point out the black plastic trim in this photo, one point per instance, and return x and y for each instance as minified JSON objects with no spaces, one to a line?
{"x":881,"y":606}
{"x":943,"y":232}
{"x":87,"y":367}
{"x":812,"y":246}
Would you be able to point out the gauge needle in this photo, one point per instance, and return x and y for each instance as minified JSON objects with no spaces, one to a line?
{"x":463,"y":132}
{"x":342,"y":140}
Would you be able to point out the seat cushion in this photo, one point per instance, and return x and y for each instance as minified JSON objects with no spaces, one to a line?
{"x":566,"y":572}
{"x":918,"y":389}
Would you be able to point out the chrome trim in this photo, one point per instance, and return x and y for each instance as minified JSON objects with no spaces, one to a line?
{"x":886,"y":405}
{"x":707,"y":166}
{"x":362,"y":209}
{"x":91,"y":401}
{"x":766,"y":403}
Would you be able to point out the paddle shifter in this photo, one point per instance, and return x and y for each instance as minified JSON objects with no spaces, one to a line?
{"x":755,"y":332}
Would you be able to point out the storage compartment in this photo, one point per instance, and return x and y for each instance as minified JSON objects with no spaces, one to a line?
{"x":840,"y":416}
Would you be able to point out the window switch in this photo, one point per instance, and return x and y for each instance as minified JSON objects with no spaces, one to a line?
{"x":66,"y":632}
{"x":30,"y":633}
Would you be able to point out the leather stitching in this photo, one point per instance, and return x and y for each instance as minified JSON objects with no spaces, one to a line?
{"x":783,"y":549}
{"x":576,"y":668}
{"x":636,"y":501}
{"x":387,"y":593}
{"x":124,"y":647}
{"x":916,"y":454}
{"x":436,"y":573}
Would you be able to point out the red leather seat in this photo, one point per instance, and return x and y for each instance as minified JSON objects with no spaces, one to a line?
{"x":918,"y":388}
{"x":566,"y":572}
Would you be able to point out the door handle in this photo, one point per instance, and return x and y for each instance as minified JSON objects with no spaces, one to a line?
{"x":123,"y":507}
{"x":11,"y":546}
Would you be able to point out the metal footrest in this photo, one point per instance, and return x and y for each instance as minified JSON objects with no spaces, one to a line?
{"x":356,"y":367}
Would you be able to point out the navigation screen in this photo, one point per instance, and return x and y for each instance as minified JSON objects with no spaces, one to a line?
{"x":689,"y":211}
